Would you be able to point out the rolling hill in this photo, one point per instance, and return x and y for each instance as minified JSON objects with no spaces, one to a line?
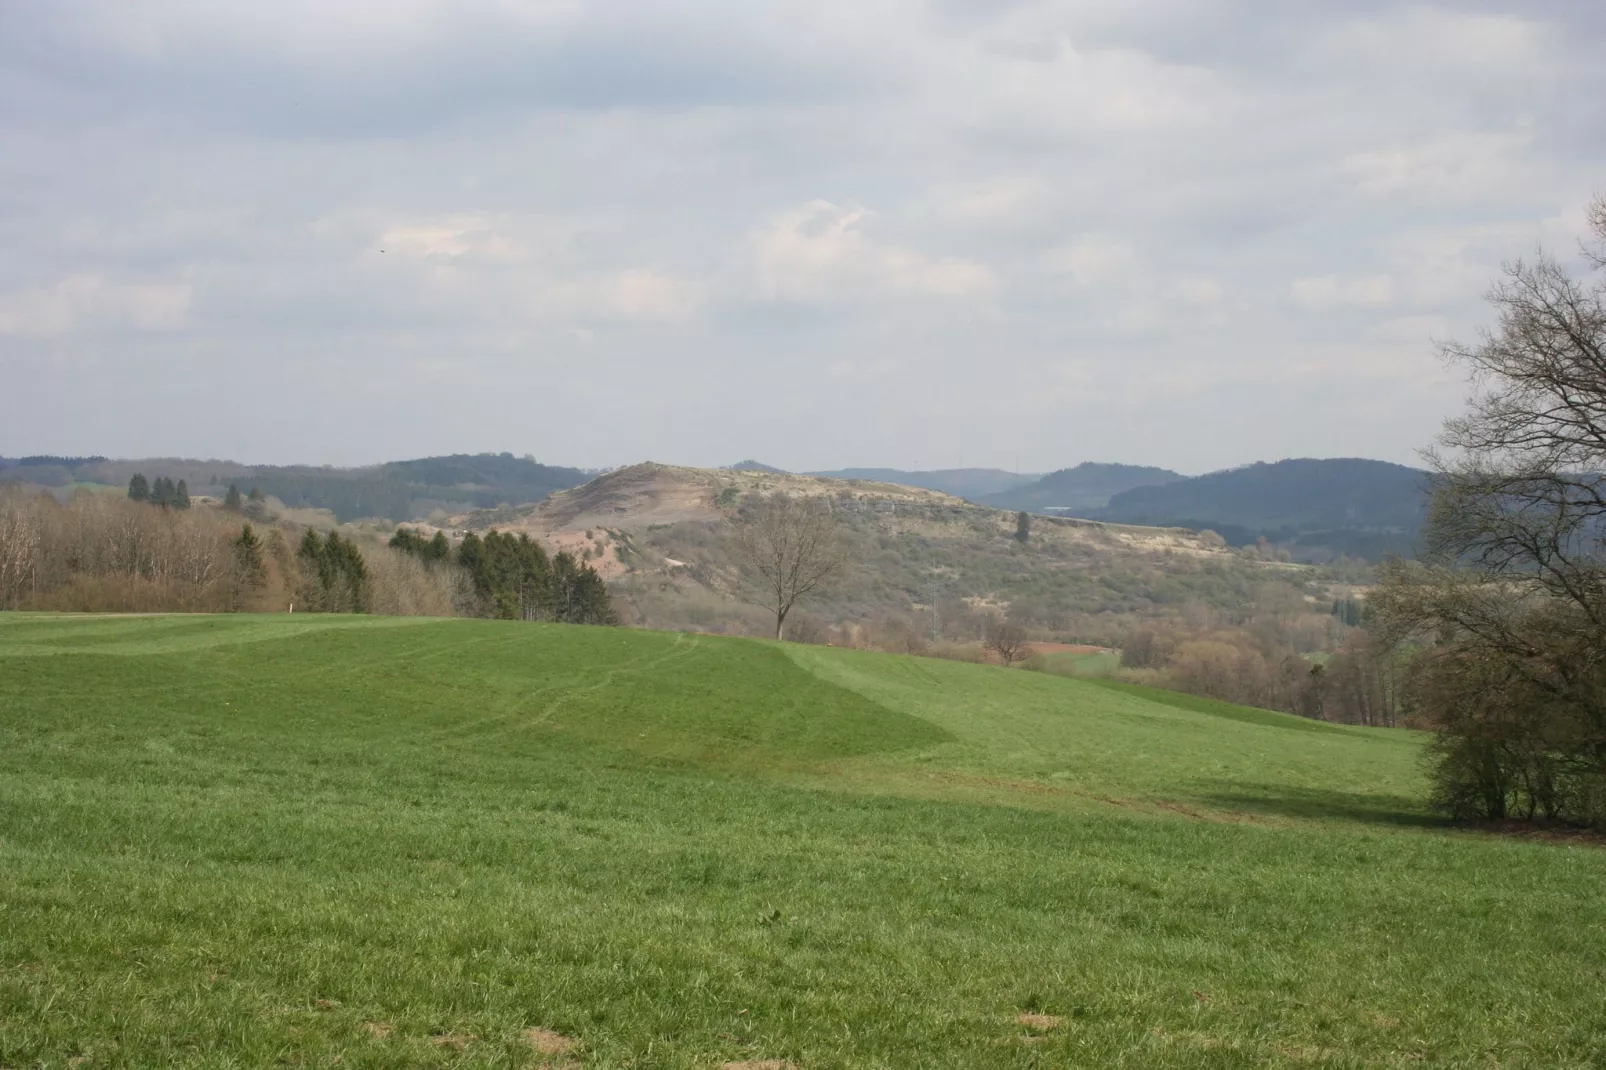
{"x":1348,"y":505}
{"x":396,"y":490}
{"x":972,"y":483}
{"x":1079,"y":490}
{"x":306,"y":840}
{"x":659,"y":533}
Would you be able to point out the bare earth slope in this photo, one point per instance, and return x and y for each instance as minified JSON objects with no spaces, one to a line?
{"x":659,"y":533}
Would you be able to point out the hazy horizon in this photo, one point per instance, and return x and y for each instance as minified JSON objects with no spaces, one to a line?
{"x":916,"y":235}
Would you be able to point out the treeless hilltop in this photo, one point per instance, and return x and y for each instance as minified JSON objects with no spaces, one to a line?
{"x":920,"y":561}
{"x":650,"y":494}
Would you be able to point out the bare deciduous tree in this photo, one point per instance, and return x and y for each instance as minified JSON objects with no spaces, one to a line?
{"x":1514,"y":591}
{"x":788,"y":549}
{"x":1006,"y":641}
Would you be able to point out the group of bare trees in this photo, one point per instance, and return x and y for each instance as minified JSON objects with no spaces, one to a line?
{"x":99,"y":552}
{"x":104,"y":553}
{"x":1305,"y":662}
{"x":1507,"y":610}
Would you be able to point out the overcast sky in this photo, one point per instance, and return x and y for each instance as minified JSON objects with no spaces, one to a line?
{"x":1192,"y":233}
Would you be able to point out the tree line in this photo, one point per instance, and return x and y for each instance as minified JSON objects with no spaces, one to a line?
{"x":162,"y":491}
{"x":513,"y":578}
{"x":100,"y":553}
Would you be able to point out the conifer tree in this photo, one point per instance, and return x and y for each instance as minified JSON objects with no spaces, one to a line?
{"x":250,"y":570}
{"x":345,"y":575}
{"x":406,"y":540}
{"x":317,"y":575}
{"x":232,"y":501}
{"x":1023,"y":526}
{"x":181,"y":495}
{"x":139,"y":489}
{"x":579,"y":593}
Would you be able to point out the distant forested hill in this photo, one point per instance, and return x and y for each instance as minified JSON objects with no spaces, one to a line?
{"x":397,"y":490}
{"x":971,"y":483}
{"x":1087,"y":486}
{"x":1349,"y":505}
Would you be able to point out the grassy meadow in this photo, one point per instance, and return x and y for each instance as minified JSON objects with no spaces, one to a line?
{"x":243,"y":841}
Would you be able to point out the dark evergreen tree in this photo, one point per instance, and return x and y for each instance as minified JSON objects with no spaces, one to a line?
{"x":1023,"y":526}
{"x":350,"y":574}
{"x":139,"y":488}
{"x":407,"y":541}
{"x":232,"y":501}
{"x":471,"y":555}
{"x":337,"y":578}
{"x":162,"y":492}
{"x":317,"y":575}
{"x":250,"y":570}
{"x":181,"y":495}
{"x":430,"y":551}
{"x":579,"y":594}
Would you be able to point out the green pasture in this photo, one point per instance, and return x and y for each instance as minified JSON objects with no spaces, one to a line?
{"x":336,"y":841}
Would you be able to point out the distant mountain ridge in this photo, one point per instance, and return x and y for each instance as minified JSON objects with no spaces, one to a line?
{"x":395,"y":490}
{"x":1089,"y":485}
{"x":1346,"y":505}
{"x":1315,"y":507}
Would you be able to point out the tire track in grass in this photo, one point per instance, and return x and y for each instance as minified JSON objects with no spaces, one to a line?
{"x":683,"y":646}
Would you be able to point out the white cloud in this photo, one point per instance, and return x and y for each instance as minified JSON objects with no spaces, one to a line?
{"x":1003,"y":201}
{"x":1202,"y":293}
{"x":639,"y":295}
{"x":1327,"y":293}
{"x":87,"y":302}
{"x":455,"y":239}
{"x":1464,"y":167}
{"x":1432,"y":41}
{"x":820,"y":253}
{"x":1160,"y":198}
{"x":1095,"y":261}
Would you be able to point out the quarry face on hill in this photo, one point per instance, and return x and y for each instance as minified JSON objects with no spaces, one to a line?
{"x":659,"y":535}
{"x":648,"y":495}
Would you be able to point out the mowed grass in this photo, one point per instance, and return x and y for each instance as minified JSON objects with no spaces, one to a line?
{"x":237,"y":841}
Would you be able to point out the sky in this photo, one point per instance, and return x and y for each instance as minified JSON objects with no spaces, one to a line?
{"x":988,"y":233}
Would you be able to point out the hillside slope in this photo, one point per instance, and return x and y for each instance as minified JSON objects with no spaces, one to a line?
{"x":249,"y":841}
{"x":660,"y":533}
{"x":1088,"y":486}
{"x":972,"y":483}
{"x":1350,"y":503}
{"x":396,"y":490}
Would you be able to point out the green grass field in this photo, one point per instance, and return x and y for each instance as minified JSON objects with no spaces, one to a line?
{"x":238,"y":841}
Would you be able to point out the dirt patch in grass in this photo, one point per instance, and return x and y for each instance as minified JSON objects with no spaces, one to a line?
{"x":1040,"y":1023}
{"x":762,"y":1064}
{"x":548,"y":1042}
{"x":1068,"y":648}
{"x":379,"y":1030}
{"x":1539,"y":830}
{"x":455,"y":1041}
